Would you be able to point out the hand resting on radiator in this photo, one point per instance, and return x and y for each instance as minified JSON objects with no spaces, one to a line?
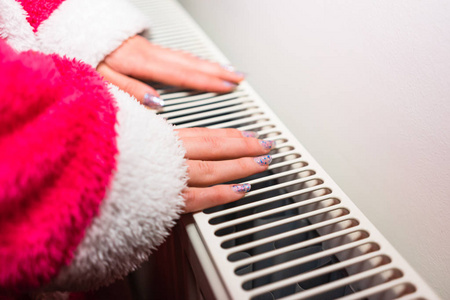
{"x":214,"y":156}
{"x":219,"y":155}
{"x":138,"y":58}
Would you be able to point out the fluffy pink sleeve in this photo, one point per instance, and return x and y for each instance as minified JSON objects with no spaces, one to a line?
{"x":57,"y":157}
{"x":87,"y":189}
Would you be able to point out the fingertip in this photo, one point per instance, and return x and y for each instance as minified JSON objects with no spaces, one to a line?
{"x":228,"y":67}
{"x":152,"y":101}
{"x":226,"y":193}
{"x":242,"y":188}
{"x":267,"y":144}
{"x":241,"y":75}
{"x":238,"y":76}
{"x":198,"y":199}
{"x":264,"y":160}
{"x":229,"y":85}
{"x":250,"y":134}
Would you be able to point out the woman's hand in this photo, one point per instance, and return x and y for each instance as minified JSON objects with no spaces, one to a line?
{"x":220,"y":155}
{"x":138,"y":58}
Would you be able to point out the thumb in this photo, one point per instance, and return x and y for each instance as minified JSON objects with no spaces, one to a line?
{"x":141,"y":91}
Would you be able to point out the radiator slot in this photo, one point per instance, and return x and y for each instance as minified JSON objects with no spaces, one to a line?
{"x":275,"y":197}
{"x":322,"y":262}
{"x":327,"y":274}
{"x":201,"y":105}
{"x":264,"y":201}
{"x":210,"y":121}
{"x":276,"y":216}
{"x":279,"y":229}
{"x":261,"y":127}
{"x":255,"y":245}
{"x":217,"y":115}
{"x":391,"y":292}
{"x":244,"y":123}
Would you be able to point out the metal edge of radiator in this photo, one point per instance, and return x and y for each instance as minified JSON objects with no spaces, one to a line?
{"x":200,"y":259}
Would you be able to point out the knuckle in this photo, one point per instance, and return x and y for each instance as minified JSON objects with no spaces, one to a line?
{"x":242,"y":164}
{"x":211,"y":142}
{"x":205,"y":82}
{"x":250,"y":145}
{"x":129,"y":86}
{"x":183,"y":78}
{"x":220,"y":195}
{"x":206,"y":168}
{"x":101,"y":68}
{"x":190,"y":198}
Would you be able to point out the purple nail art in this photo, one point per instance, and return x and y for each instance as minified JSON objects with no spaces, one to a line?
{"x":240,"y":74}
{"x":263,"y":160}
{"x":241,"y":188}
{"x":228,"y":68}
{"x":267,"y":144}
{"x":153,"y":102}
{"x":250,"y":134}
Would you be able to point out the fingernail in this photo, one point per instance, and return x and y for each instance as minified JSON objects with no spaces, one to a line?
{"x":267,"y":144}
{"x":263,"y":160}
{"x":240,"y":74}
{"x":153,"y":102}
{"x":229,"y":68}
{"x":241,"y":188}
{"x":229,"y":84}
{"x":250,"y":134}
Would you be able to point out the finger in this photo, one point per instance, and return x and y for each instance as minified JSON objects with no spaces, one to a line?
{"x":141,"y":59}
{"x":179,"y":75}
{"x":206,"y":173}
{"x":141,"y":91}
{"x":201,"y":198}
{"x":225,"y":72}
{"x":223,"y":132}
{"x":190,"y":62}
{"x":221,"y":148}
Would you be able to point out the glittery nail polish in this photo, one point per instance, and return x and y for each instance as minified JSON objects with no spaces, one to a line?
{"x":153,"y":102}
{"x":263,"y":160}
{"x":250,"y":134}
{"x":229,"y":84}
{"x":240,"y":74}
{"x":241,"y":188}
{"x":267,"y":144}
{"x":229,"y":68}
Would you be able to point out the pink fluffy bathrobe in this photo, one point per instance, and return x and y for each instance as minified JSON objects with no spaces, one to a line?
{"x":90,"y":180}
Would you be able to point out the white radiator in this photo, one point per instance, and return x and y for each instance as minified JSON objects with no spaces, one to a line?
{"x":296,"y":235}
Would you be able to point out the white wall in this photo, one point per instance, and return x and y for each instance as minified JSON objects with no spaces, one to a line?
{"x":365,"y":86}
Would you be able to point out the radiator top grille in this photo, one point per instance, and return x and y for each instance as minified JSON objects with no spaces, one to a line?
{"x":296,"y":235}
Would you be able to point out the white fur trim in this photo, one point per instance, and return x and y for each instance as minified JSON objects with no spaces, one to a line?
{"x":14,"y":27}
{"x":142,"y":205}
{"x":90,"y":29}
